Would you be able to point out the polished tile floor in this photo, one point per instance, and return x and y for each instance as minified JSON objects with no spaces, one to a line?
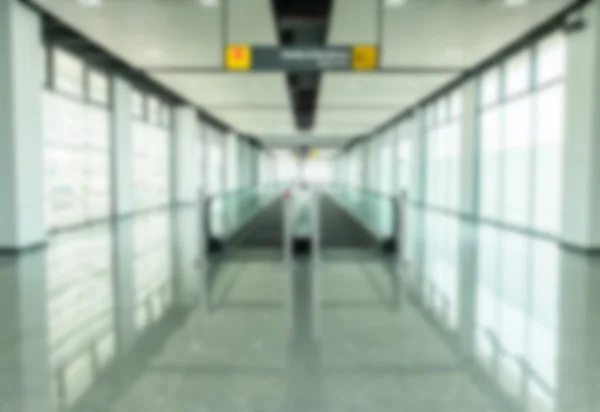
{"x":120,"y":318}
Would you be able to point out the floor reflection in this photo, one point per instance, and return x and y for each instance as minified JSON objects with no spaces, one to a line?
{"x":124,"y":317}
{"x":71,"y":310}
{"x":528,"y":303}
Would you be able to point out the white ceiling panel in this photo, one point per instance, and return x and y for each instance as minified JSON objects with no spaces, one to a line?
{"x":185,"y":33}
{"x":173,"y":32}
{"x":368,"y":100}
{"x":354,"y":22}
{"x":229,"y":89}
{"x":259,"y":122}
{"x":251,"y":22}
{"x":456,"y":32}
{"x":376,"y":89}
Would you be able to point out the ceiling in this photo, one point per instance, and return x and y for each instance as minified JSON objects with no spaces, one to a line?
{"x":425,"y":36}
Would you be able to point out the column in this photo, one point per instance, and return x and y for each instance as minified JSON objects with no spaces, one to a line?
{"x":581,"y":193}
{"x":21,"y":141}
{"x":122,"y":157}
{"x":419,"y":157}
{"x":468,"y":146}
{"x":185,"y":162}
{"x":25,"y":367}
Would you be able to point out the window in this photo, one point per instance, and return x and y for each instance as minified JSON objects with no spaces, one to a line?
{"x":521,"y":138}
{"x":150,"y":153}
{"x":76,"y":128}
{"x":443,"y":151}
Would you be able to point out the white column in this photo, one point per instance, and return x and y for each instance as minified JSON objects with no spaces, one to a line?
{"x":468,"y":148}
{"x":122,"y":155}
{"x":581,"y":200}
{"x":21,"y":141}
{"x":186,"y":161}
{"x":419,"y":157}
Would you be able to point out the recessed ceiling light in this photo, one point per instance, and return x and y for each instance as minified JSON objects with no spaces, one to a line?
{"x":515,"y":3}
{"x":395,"y":3}
{"x":90,"y":3}
{"x":209,"y":3}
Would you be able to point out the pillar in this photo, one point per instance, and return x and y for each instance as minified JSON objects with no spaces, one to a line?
{"x":21,"y":141}
{"x":185,"y":162}
{"x":468,"y":145}
{"x":581,"y":193}
{"x":419,"y":157}
{"x":122,"y":178}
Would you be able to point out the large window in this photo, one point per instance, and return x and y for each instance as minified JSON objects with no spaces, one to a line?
{"x":521,"y":138}
{"x":76,"y":127}
{"x":216,"y":161}
{"x":404,"y":159}
{"x":152,"y":268}
{"x":517,"y":302}
{"x":443,"y":152}
{"x":150,"y":153}
{"x":234,"y":180}
{"x":80,"y":312}
{"x":386,"y":163}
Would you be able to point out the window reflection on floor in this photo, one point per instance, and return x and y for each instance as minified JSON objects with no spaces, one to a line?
{"x":152,"y":272}
{"x":81,"y":304}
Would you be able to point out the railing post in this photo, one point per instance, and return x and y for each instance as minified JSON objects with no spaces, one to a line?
{"x":288,"y":257}
{"x":203,"y":237}
{"x":401,"y":227}
{"x":316,"y":264}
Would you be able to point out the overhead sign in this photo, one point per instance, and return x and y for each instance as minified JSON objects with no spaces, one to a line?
{"x":365,"y":58}
{"x":238,"y":58}
{"x":302,"y":59}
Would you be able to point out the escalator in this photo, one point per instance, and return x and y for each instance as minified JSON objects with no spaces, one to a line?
{"x":340,"y":228}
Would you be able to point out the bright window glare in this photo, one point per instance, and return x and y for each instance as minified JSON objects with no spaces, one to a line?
{"x":210,"y":3}
{"x":90,"y":3}
{"x":395,"y":3}
{"x":516,"y":3}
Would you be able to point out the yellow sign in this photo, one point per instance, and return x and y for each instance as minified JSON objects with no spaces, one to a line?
{"x":239,"y":58}
{"x":365,"y":58}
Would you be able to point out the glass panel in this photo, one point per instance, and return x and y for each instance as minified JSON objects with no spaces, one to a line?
{"x":548,"y":172}
{"x":551,"y":59}
{"x":490,"y":162}
{"x":98,"y":83}
{"x":150,"y":166}
{"x":517,"y":162}
{"x":490,"y":88}
{"x":518,"y":74}
{"x":233,"y":163}
{"x":137,"y":104}
{"x":76,"y":162}
{"x":68,"y":73}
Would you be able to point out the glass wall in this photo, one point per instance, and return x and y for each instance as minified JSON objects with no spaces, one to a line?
{"x":521,"y":116}
{"x":387,"y":176}
{"x":76,"y":127}
{"x":151,"y":142}
{"x":443,"y":151}
{"x":404,"y":161}
{"x":215,"y":160}
{"x":234,"y":171}
{"x":287,"y":166}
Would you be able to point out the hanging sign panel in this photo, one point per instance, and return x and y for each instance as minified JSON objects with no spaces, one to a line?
{"x":302,"y":59}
